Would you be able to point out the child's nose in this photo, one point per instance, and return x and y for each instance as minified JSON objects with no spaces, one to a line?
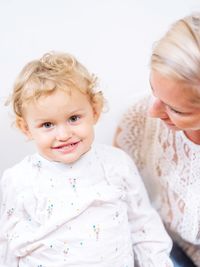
{"x":64,"y":132}
{"x":157,"y":109}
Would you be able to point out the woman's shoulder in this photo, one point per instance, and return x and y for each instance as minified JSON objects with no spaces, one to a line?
{"x":139,"y":107}
{"x":135,"y":128}
{"x":135,"y":119}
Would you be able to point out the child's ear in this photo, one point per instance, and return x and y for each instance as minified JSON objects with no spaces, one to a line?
{"x":97,"y":104}
{"x":23,"y":126}
{"x":97,"y":109}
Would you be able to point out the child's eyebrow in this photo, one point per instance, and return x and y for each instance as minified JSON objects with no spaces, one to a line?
{"x":43,"y":120}
{"x":67,"y":114}
{"x":76,"y":110}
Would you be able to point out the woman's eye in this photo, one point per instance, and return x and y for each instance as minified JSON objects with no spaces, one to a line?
{"x":176,"y":111}
{"x":47,"y":125}
{"x":74,"y":118}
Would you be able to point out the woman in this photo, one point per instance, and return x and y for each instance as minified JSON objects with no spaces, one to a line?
{"x":167,"y":149}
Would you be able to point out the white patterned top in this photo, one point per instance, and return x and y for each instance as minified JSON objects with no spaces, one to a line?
{"x":94,"y":212}
{"x":170,"y":166}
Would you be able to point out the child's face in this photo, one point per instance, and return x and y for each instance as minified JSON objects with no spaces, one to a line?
{"x":61,"y":125}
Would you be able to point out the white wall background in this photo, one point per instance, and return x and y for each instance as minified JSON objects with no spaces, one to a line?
{"x":113,"y":38}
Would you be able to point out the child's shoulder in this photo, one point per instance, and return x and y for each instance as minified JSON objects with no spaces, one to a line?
{"x":18,"y":171}
{"x":111,"y":152}
{"x":19,"y":166}
{"x":118,"y":166}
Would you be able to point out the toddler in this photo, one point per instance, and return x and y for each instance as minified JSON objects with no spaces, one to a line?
{"x":73,"y":203}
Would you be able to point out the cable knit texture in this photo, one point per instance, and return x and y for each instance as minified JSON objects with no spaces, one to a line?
{"x":170,"y":166}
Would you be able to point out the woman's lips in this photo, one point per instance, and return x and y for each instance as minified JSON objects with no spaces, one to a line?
{"x":168,"y":122}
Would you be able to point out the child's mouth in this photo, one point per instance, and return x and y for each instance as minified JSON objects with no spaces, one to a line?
{"x":66,"y":147}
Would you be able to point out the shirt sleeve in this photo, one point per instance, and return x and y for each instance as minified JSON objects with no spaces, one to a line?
{"x":151,"y":243}
{"x":9,"y":217}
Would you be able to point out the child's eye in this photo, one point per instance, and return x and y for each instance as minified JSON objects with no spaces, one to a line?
{"x":74,"y":118}
{"x":47,"y":125}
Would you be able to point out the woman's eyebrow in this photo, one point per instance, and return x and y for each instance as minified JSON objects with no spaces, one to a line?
{"x":151,"y":85}
{"x":163,"y":101}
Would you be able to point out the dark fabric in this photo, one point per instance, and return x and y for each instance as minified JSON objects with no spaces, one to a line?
{"x":179,"y":258}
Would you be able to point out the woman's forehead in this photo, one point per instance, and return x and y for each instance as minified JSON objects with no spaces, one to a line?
{"x":173,"y":92}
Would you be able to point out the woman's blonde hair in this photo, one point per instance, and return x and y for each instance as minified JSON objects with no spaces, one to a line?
{"x":177,"y":54}
{"x":51,"y":72}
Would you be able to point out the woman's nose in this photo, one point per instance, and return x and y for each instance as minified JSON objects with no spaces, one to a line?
{"x":157,"y":109}
{"x":63,"y":133}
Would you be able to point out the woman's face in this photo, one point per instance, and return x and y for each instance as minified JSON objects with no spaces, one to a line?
{"x":176,"y":104}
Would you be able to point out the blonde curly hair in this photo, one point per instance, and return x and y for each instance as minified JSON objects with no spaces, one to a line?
{"x":53,"y":71}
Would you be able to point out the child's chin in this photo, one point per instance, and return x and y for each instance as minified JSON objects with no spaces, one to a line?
{"x":67,"y":159}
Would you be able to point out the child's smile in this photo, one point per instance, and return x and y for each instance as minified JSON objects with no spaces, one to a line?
{"x":67,"y":148}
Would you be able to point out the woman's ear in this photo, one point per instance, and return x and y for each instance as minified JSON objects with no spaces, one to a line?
{"x":23,"y":126}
